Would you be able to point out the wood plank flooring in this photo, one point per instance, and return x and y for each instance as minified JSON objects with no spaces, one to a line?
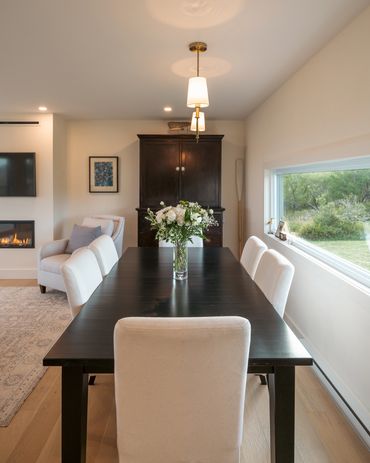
{"x":323,"y":434}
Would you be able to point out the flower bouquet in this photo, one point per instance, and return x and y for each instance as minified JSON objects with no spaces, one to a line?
{"x":178,"y":225}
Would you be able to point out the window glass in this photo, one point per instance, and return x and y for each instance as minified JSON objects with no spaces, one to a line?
{"x":330,"y":210}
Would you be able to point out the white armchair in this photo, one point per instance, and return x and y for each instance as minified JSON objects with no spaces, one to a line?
{"x":53,"y":254}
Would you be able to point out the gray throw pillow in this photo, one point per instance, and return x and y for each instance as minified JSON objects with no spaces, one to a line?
{"x":82,"y":236}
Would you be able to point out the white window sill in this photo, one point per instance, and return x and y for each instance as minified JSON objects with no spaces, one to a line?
{"x":332,"y":270}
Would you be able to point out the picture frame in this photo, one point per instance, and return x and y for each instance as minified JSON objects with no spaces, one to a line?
{"x":103,"y":174}
{"x":280,"y":231}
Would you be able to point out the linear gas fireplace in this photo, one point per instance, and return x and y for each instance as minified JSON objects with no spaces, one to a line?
{"x":17,"y":234}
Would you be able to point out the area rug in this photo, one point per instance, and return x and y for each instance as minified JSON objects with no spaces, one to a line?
{"x":30,"y":323}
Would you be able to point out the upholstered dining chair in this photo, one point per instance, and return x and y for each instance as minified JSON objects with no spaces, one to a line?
{"x":197,"y":242}
{"x":251,"y":255}
{"x":105,"y":253}
{"x":81,"y":274}
{"x":180,"y":388}
{"x":274,"y":277}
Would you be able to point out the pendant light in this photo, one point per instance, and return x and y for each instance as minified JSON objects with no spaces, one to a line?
{"x":201,"y":122}
{"x":197,"y":92}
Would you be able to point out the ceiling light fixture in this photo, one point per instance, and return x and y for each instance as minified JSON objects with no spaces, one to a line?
{"x":197,"y":90}
{"x":167,"y":109}
{"x":201,"y":122}
{"x":43,"y":108}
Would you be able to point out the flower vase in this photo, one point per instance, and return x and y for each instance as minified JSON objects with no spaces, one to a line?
{"x":180,"y":261}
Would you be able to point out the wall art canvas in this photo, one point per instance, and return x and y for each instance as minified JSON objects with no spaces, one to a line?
{"x":103,"y":174}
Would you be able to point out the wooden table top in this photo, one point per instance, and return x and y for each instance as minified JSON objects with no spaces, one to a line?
{"x":141,"y":284}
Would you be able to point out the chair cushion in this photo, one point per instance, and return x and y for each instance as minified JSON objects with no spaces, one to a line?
{"x":107,"y":225}
{"x":53,"y":263}
{"x":82,"y":236}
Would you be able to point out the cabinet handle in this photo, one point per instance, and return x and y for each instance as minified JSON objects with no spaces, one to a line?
{"x":182,"y":169}
{"x":177,"y":168}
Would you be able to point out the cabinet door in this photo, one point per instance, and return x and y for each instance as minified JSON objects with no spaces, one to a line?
{"x":201,"y":172}
{"x":159,"y":172}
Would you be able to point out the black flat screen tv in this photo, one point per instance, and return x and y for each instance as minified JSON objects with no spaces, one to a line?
{"x":17,"y":174}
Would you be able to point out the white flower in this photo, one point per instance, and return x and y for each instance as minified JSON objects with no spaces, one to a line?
{"x":171,"y":215}
{"x":159,"y":216}
{"x":161,"y":203}
{"x":211,"y":211}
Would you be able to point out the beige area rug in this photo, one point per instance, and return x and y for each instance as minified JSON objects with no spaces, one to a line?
{"x":30,"y":323}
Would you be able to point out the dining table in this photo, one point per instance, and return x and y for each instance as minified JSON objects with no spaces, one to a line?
{"x":141,"y":285}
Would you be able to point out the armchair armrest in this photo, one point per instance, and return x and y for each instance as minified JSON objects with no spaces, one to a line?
{"x":52,"y":248}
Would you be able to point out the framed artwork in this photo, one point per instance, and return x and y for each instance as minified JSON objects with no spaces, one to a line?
{"x":280,"y":231}
{"x":103,"y":174}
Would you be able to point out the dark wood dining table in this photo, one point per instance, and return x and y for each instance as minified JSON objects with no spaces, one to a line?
{"x":141,"y":284}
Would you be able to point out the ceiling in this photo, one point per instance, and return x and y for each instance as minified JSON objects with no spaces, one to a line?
{"x":127,"y":59}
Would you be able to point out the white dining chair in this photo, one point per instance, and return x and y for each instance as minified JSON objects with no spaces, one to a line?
{"x":197,"y":242}
{"x":251,"y":255}
{"x":180,"y":388}
{"x":81,"y":274}
{"x":105,"y":253}
{"x":274,"y":277}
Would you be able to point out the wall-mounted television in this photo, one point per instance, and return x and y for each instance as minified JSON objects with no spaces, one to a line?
{"x":17,"y":174}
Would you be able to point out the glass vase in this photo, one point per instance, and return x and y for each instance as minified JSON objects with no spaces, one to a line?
{"x":180,"y":261}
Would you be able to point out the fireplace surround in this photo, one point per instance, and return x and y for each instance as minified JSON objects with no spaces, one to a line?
{"x":17,"y":234}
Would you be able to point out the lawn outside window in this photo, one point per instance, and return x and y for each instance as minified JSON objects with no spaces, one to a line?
{"x":326,"y":207}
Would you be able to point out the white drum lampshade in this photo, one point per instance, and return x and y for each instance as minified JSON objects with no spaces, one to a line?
{"x":201,"y":122}
{"x":197,"y":93}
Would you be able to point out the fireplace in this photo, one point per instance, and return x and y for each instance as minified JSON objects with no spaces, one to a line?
{"x":17,"y":234}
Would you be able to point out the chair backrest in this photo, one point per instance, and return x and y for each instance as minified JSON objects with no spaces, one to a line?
{"x":251,"y":255}
{"x":274,"y":276}
{"x":81,"y":275}
{"x":105,"y":253}
{"x":180,"y":388}
{"x":116,"y":232}
{"x":197,"y":242}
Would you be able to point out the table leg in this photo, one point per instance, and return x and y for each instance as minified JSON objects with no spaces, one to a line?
{"x":74,"y":414}
{"x":281,"y":386}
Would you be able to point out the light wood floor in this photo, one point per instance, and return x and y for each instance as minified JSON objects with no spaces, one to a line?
{"x":322,"y":432}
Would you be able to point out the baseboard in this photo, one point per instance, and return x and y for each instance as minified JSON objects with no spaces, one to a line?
{"x":18,"y":273}
{"x":352,"y":408}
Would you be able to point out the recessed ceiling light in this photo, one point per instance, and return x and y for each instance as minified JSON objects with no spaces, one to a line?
{"x":167,"y":109}
{"x":43,"y":108}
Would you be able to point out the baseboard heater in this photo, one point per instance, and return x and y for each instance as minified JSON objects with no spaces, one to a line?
{"x":354,"y":414}
{"x":19,"y":122}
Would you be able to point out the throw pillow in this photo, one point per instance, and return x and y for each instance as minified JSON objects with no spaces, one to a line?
{"x":82,"y":236}
{"x":107,"y":225}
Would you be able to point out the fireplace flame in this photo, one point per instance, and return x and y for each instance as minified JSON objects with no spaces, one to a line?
{"x":13,"y":240}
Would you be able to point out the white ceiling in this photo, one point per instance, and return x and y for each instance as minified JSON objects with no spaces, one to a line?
{"x":127,"y":59}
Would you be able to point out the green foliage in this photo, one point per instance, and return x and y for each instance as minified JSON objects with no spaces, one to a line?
{"x":328,"y":205}
{"x":341,"y":221}
{"x":310,"y":190}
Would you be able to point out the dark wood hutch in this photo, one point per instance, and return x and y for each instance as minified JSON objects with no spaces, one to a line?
{"x":175,"y":167}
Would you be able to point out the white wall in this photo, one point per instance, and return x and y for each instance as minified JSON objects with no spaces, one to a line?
{"x":119,"y":138}
{"x":322,"y":112}
{"x":59,"y":174}
{"x":21,"y":263}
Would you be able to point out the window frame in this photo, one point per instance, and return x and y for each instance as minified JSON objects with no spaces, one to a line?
{"x":275,"y":207}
